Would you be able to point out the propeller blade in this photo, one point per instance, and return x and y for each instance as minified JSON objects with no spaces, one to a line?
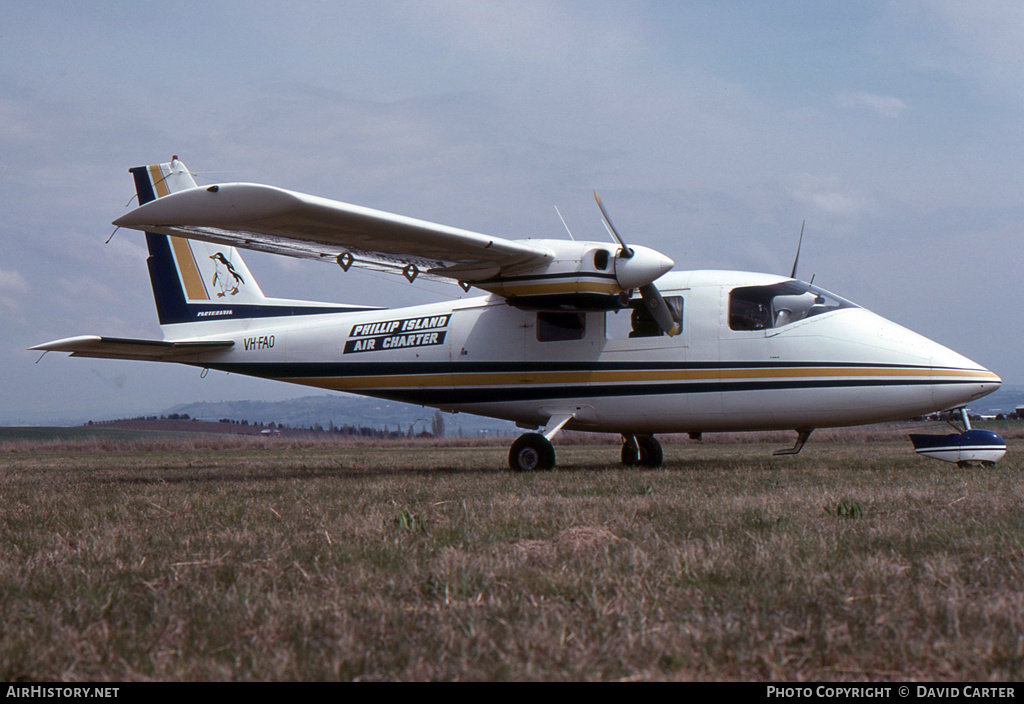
{"x":626,"y":252}
{"x":799,"y":243}
{"x":657,"y":307}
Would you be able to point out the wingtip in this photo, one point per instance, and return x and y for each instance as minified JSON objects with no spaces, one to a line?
{"x":65,"y":344}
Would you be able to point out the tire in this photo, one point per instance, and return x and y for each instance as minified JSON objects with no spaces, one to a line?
{"x":642,"y":451}
{"x":630,"y":452}
{"x":531,"y":452}
{"x":651,"y":454}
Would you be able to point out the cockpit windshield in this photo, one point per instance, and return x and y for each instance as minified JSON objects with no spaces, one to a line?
{"x":764,"y":307}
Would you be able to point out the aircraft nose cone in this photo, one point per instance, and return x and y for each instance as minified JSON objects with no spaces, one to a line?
{"x":969,"y":385}
{"x":926,"y":376}
{"x":957,"y":380}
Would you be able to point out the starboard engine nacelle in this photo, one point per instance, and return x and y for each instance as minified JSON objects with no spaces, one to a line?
{"x":580,"y":276}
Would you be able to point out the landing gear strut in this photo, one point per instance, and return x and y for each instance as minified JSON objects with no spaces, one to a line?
{"x":801,"y":440}
{"x":641,"y":450}
{"x":530,"y":453}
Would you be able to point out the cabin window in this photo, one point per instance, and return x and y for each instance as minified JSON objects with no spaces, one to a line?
{"x":560,"y":327}
{"x":778,"y":305}
{"x":636,"y":321}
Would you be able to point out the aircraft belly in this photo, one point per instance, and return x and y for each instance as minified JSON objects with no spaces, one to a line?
{"x":831,"y":407}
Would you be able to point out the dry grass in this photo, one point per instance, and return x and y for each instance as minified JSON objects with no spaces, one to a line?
{"x":100,"y":439}
{"x":262,"y":561}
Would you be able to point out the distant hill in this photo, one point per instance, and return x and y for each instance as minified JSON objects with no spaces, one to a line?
{"x":1005,"y":400}
{"x":341,"y":410}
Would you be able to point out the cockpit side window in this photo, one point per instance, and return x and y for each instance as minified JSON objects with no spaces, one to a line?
{"x":750,"y":309}
{"x":778,"y":305}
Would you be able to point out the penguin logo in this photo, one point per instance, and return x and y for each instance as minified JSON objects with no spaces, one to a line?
{"x":225,"y":277}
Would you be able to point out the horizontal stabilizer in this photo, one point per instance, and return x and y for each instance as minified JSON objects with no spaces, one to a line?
{"x":127,"y":348}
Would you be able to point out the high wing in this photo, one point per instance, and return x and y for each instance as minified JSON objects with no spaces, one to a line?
{"x":276,"y":220}
{"x":129,"y":348}
{"x":536,"y":273}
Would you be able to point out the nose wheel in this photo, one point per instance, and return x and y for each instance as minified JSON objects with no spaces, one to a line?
{"x":641,"y":451}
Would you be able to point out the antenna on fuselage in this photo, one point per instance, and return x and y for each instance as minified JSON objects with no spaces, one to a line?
{"x":563,"y":224}
{"x":799,"y":243}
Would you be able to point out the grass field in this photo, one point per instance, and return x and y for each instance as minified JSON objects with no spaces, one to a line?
{"x":133,"y":558}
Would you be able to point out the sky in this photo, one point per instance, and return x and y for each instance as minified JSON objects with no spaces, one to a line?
{"x":712,"y":130}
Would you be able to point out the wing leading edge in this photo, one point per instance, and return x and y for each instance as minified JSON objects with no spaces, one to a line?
{"x":276,"y":220}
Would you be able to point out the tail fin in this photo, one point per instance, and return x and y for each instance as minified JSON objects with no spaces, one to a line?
{"x":195,"y":281}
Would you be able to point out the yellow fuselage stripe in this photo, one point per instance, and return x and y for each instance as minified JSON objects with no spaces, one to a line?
{"x":512,"y":288}
{"x":604,"y":377}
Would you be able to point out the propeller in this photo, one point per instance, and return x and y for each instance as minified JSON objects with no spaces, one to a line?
{"x":638,"y":267}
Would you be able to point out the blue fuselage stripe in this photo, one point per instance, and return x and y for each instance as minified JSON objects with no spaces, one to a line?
{"x":443,"y":391}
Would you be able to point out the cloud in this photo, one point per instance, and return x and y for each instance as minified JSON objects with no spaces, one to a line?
{"x":12,"y":285}
{"x":88,"y":291}
{"x":884,"y":105}
{"x":978,"y":42}
{"x":12,"y":281}
{"x":533,"y":31}
{"x":9,"y":304}
{"x":828,"y":196}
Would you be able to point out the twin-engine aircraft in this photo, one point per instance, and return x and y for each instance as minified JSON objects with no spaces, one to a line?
{"x":590,"y":336}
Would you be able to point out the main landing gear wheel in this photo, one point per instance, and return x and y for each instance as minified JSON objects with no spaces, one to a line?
{"x":642,"y":451}
{"x":531,"y":452}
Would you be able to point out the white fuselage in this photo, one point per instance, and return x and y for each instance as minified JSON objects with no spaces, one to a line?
{"x":480,"y":355}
